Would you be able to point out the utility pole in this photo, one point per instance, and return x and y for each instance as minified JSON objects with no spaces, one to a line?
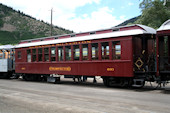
{"x":164,"y":2}
{"x":51,"y":21}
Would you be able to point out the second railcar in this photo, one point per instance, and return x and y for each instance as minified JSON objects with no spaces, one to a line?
{"x":163,"y":51}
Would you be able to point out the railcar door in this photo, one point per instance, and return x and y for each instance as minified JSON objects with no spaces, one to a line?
{"x":164,"y":56}
{"x":144,"y":55}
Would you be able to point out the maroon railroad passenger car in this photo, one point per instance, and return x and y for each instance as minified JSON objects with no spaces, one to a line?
{"x":120,"y":55}
{"x":163,"y":51}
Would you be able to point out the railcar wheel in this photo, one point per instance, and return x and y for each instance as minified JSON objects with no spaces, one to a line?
{"x":16,"y":76}
{"x":4,"y":75}
{"x":31,"y":77}
{"x":109,"y":81}
{"x":155,"y":85}
{"x":113,"y":81}
{"x":143,"y":84}
{"x":27,"y":77}
{"x":126,"y":82}
{"x":106,"y":82}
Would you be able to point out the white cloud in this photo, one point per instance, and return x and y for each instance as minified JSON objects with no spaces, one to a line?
{"x":130,"y":3}
{"x":122,"y":17}
{"x":85,"y":15}
{"x":39,"y":8}
{"x":64,"y":13}
{"x":100,"y":19}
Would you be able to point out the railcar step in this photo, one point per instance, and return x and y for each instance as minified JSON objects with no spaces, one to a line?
{"x":138,"y":86}
{"x":53,"y":79}
{"x":138,"y":83}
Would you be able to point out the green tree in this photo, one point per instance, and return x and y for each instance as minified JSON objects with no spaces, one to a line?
{"x":1,"y":23}
{"x":145,"y":4}
{"x":154,"y":13}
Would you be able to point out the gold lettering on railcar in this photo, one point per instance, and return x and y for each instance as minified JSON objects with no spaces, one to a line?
{"x":59,"y":68}
{"x":23,"y":68}
{"x":110,"y":69}
{"x":62,"y":44}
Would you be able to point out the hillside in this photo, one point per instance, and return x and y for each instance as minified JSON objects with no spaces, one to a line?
{"x":16,"y":26}
{"x":130,"y":21}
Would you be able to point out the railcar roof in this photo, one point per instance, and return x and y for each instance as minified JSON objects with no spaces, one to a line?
{"x":6,"y":46}
{"x":117,"y":33}
{"x":164,"y":26}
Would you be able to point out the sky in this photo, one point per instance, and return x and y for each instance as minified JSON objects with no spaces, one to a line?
{"x":79,"y":15}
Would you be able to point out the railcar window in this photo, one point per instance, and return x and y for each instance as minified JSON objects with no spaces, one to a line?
{"x":116,"y":50}
{"x":94,"y":51}
{"x":34,"y":55}
{"x":76,"y":52}
{"x":19,"y":54}
{"x":29,"y":55}
{"x":60,"y":54}
{"x":53,"y":54}
{"x":105,"y":50}
{"x":85,"y":52}
{"x":46,"y":54}
{"x":40,"y":54}
{"x":68,"y":53}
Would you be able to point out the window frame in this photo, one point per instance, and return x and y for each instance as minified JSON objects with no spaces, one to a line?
{"x":53,"y":56}
{"x":29,"y":55}
{"x":105,"y":50}
{"x":46,"y":53}
{"x":96,"y":56}
{"x":34,"y":55}
{"x":76,"y":56}
{"x":85,"y":57}
{"x":114,"y":50}
{"x":19,"y":55}
{"x":60,"y":58}
{"x":40,"y":53}
{"x":68,"y":53}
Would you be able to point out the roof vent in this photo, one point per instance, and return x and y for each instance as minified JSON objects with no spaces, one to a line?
{"x":115,"y":30}
{"x":73,"y":35}
{"x":91,"y":33}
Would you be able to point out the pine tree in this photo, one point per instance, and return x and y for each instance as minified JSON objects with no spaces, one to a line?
{"x":154,"y":13}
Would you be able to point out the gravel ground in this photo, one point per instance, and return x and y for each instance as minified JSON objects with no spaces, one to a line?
{"x":18,"y":96}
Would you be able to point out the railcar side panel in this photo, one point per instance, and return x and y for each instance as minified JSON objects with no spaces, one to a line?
{"x":127,"y":50}
{"x":121,"y":67}
{"x":20,"y":55}
{"x":3,"y":65}
{"x":107,"y":68}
